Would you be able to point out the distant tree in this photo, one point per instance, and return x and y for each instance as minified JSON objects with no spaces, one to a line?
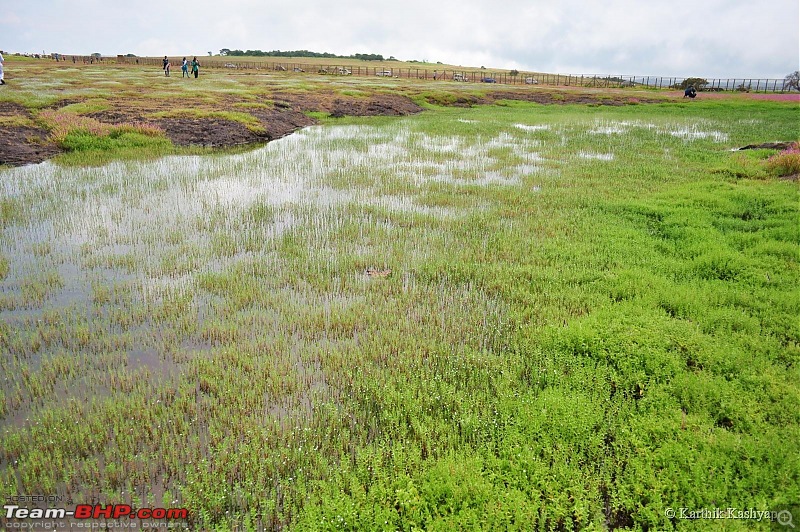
{"x":698,"y":83}
{"x":210,"y":54}
{"x":514,"y":73}
{"x":792,"y":81}
{"x":369,"y":57}
{"x":302,"y":53}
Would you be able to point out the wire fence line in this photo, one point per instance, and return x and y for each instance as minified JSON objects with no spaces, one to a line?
{"x":484,"y":75}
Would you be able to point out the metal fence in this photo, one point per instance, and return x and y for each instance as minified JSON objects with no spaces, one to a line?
{"x":479,"y":75}
{"x":85,"y":59}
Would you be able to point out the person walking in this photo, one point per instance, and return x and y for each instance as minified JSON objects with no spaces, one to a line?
{"x":185,"y":68}
{"x":195,"y":67}
{"x":2,"y":74}
{"x":166,"y":66}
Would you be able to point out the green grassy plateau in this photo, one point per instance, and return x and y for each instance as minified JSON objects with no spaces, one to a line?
{"x":510,"y":316}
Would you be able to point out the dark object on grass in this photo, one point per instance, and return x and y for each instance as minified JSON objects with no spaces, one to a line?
{"x":690,"y":92}
{"x":768,"y":146}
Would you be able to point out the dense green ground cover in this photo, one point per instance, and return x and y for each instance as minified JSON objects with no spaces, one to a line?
{"x":591,"y":318}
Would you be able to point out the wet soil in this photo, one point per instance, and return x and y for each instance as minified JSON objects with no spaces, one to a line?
{"x":337,"y":105}
{"x":20,"y":145}
{"x":215,"y":133}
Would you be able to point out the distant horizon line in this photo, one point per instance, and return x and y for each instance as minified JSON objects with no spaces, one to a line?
{"x":391,"y":59}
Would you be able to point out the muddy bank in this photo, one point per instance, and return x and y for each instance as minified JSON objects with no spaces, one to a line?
{"x":20,"y":145}
{"x":217,"y":133}
{"x":284,"y":113}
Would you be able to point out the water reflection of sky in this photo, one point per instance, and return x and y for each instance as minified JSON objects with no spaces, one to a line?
{"x":132,"y":218}
{"x":125,"y":219}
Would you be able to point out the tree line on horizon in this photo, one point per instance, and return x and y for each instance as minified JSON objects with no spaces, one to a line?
{"x":302,"y":53}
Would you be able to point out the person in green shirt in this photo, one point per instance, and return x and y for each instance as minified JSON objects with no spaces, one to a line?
{"x":195,"y":67}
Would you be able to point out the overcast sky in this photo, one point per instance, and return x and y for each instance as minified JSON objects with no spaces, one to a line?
{"x":705,"y":38}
